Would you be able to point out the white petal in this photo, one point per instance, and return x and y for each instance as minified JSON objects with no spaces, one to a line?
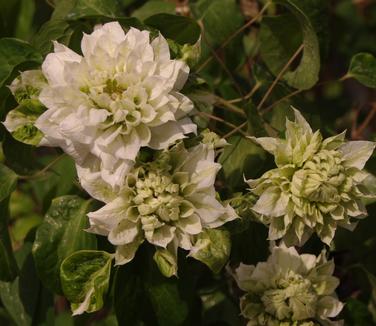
{"x":111,"y":32}
{"x":272,"y":202}
{"x":168,"y":133}
{"x":124,"y":233}
{"x":191,"y":224}
{"x":54,"y":63}
{"x":357,"y":153}
{"x":124,"y":254}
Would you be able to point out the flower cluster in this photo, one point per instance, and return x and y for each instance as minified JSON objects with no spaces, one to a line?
{"x":317,"y":185}
{"x":102,"y":107}
{"x":289,"y":289}
{"x":124,"y":93}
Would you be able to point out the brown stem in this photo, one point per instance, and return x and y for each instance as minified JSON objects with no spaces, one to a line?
{"x":279,"y":76}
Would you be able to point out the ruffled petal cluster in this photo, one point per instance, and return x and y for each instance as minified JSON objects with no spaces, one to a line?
{"x":289,"y":289}
{"x":166,"y":202}
{"x":121,"y":94}
{"x":317,"y":185}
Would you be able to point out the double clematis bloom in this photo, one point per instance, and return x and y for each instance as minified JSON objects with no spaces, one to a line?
{"x":120,"y":95}
{"x":166,"y":202}
{"x":289,"y":290}
{"x":317,"y":185}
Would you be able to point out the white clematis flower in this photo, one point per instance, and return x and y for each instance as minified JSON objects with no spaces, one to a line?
{"x":120,"y":95}
{"x":289,"y":289}
{"x":166,"y":202}
{"x":318,"y":184}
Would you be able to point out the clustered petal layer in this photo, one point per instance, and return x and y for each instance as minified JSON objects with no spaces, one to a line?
{"x":166,"y":202}
{"x":317,"y":185}
{"x":289,"y":289}
{"x":120,"y":95}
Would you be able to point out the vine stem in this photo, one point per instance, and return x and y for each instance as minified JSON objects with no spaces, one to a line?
{"x":229,"y":105}
{"x":358,"y":131}
{"x":233,"y":35}
{"x":41,"y":172}
{"x":235,"y":130}
{"x":213,"y":117}
{"x":279,"y":76}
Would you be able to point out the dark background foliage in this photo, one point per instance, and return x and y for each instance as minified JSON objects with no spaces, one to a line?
{"x":252,"y":71}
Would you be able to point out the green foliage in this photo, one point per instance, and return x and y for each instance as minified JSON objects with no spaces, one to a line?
{"x":363,"y":69}
{"x":61,"y":234}
{"x":85,"y":277}
{"x":180,"y":29}
{"x":276,"y":52}
{"x":8,"y":266}
{"x":241,"y":86}
{"x":213,"y":247}
{"x":14,"y":52}
{"x":151,"y":8}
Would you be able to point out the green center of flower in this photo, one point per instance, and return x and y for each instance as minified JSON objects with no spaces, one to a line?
{"x":293,"y":297}
{"x":321,"y":180}
{"x":125,"y":99}
{"x":159,"y":198}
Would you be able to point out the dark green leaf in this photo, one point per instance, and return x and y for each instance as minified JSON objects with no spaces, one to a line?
{"x":61,"y":234}
{"x":169,"y":306}
{"x":54,"y":30}
{"x":241,"y":158}
{"x":8,"y":266}
{"x":129,"y":296}
{"x":277,"y":49}
{"x":363,"y":69}
{"x":14,"y":52}
{"x":178,"y":28}
{"x":8,"y":181}
{"x":221,"y":18}
{"x":92,"y":8}
{"x":24,"y":298}
{"x":151,"y":8}
{"x":85,"y":278}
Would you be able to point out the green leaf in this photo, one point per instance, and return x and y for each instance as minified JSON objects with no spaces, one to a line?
{"x":178,"y":28}
{"x":151,"y":8}
{"x":212,"y":247}
{"x":53,"y":30}
{"x":8,"y":265}
{"x":372,"y":302}
{"x":85,"y":278}
{"x":25,"y":19}
{"x":221,"y":18}
{"x":8,"y":181}
{"x":14,"y":52}
{"x":129,"y":295}
{"x":23,"y":118}
{"x":92,"y":8}
{"x":61,"y":234}
{"x":363,"y":69}
{"x":168,"y":303}
{"x":277,"y":49}
{"x":241,"y":158}
{"x":255,"y":122}
{"x":166,"y":262}
{"x":24,"y":298}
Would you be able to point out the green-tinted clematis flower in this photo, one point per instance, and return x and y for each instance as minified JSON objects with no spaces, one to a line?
{"x":317,"y":185}
{"x":168,"y":202}
{"x":289,"y":289}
